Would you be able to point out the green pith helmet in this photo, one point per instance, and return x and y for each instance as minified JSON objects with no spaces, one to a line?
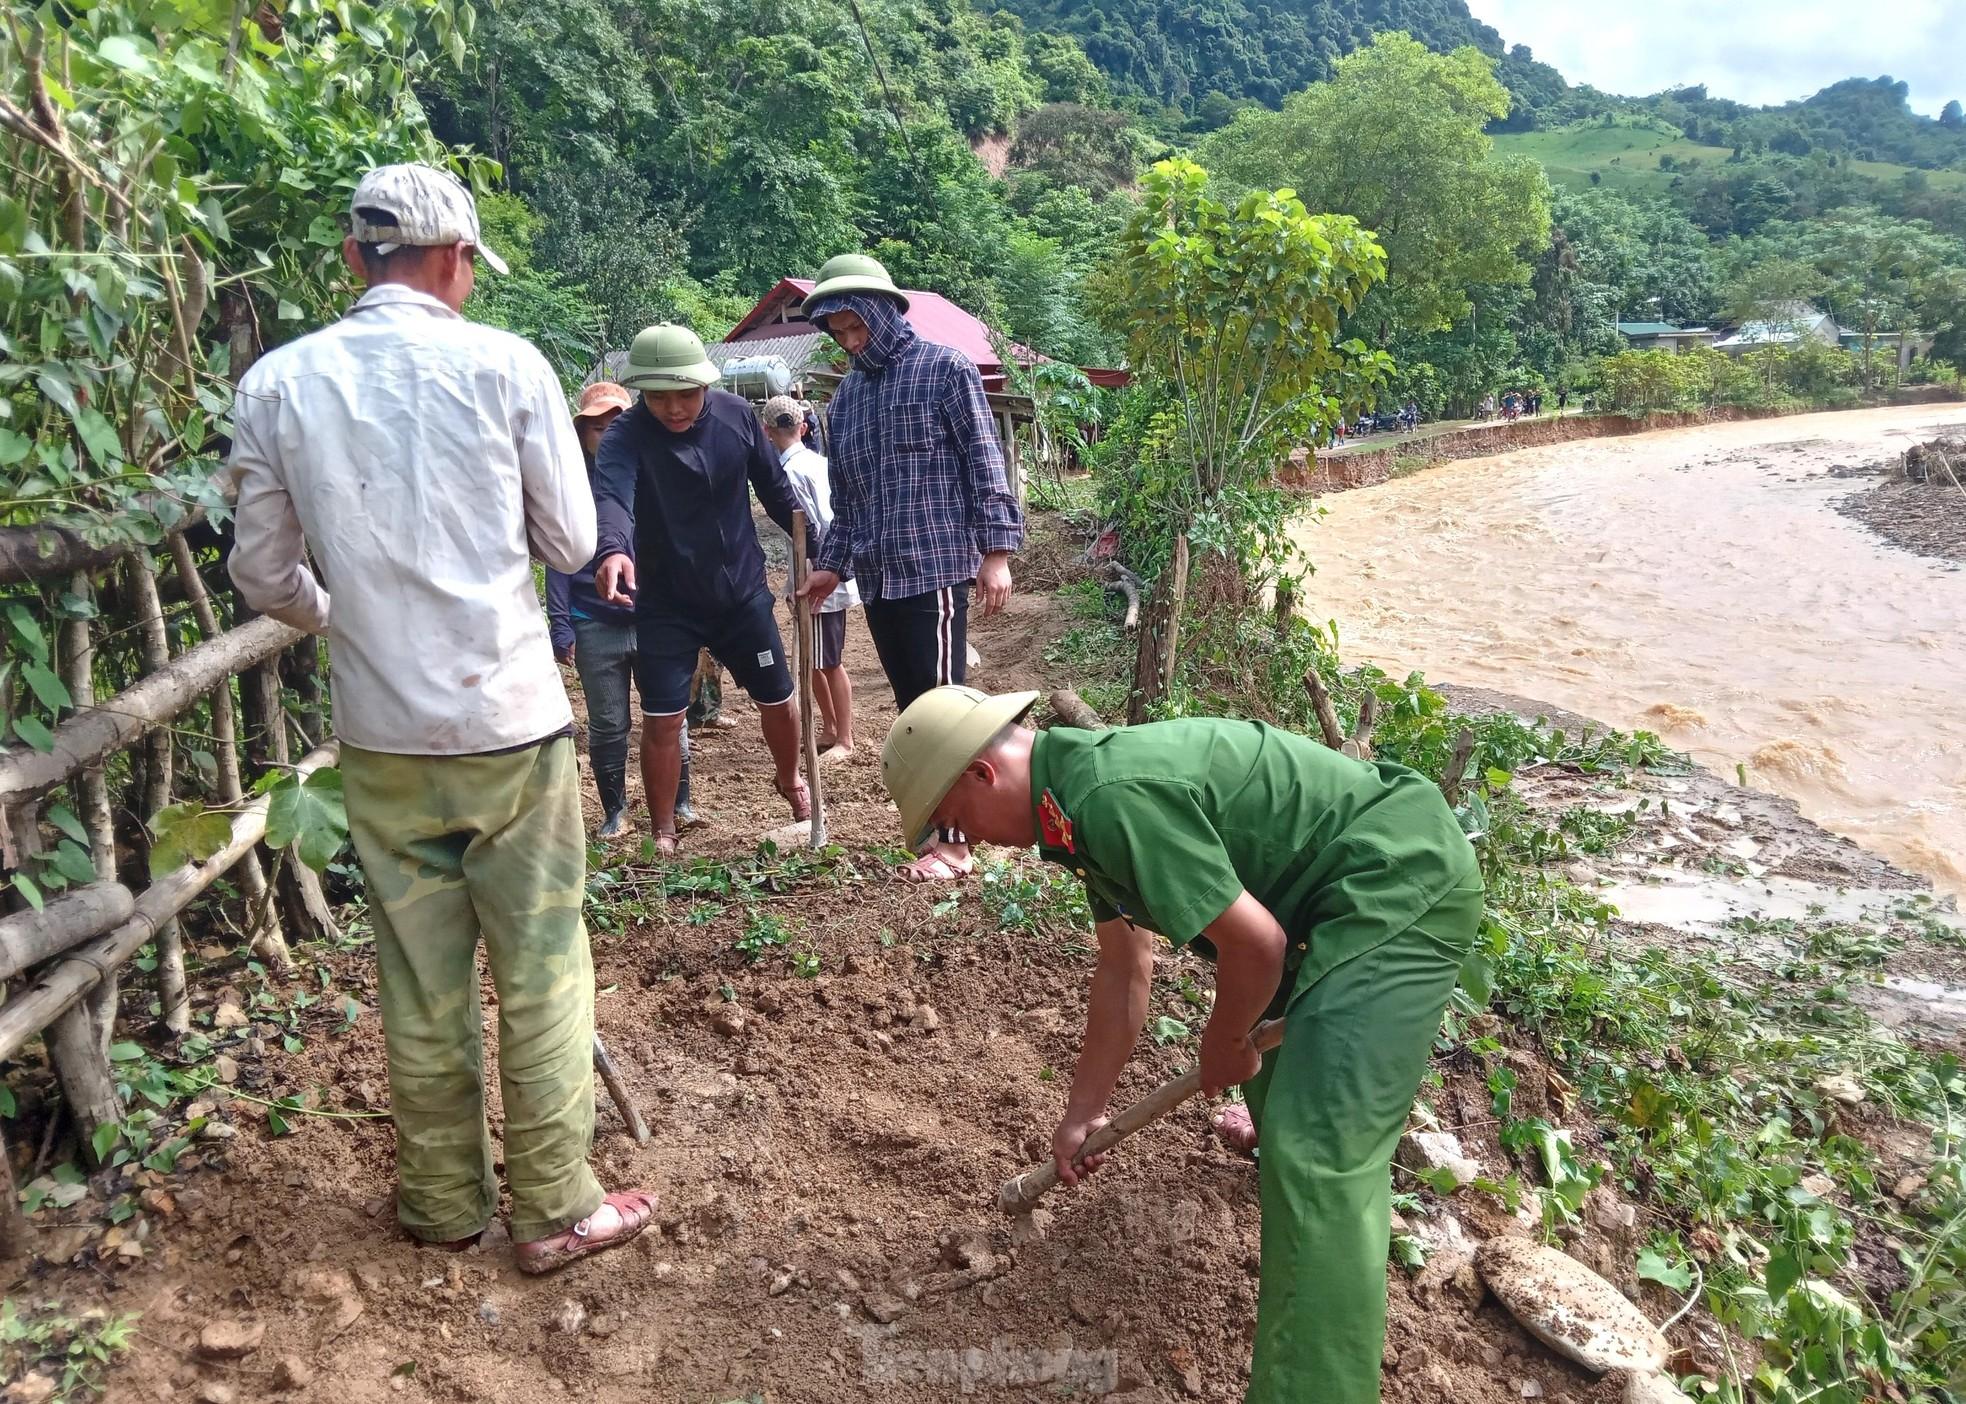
{"x":932,"y":743}
{"x":669,"y":357}
{"x":846,"y":273}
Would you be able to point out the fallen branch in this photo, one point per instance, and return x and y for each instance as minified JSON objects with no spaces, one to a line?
{"x":28,"y":937}
{"x":63,"y":982}
{"x":51,"y":549}
{"x":89,"y":737}
{"x":1128,"y":584}
{"x":1071,"y":709}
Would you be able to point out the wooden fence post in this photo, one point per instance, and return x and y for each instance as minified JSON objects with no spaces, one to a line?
{"x":266,"y":936}
{"x":78,"y":1042}
{"x":173,"y":1000}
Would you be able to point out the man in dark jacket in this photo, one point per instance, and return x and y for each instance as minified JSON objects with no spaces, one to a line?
{"x":677,"y":542}
{"x":922,"y":509}
{"x":605,"y":637}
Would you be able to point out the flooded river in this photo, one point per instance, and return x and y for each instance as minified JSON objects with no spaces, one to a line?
{"x":1698,"y":583}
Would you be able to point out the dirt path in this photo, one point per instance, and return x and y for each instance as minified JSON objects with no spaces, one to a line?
{"x":826,"y":1158}
{"x":1698,"y":583}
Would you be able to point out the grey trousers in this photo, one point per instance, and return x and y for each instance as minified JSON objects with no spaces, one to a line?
{"x":604,"y":656}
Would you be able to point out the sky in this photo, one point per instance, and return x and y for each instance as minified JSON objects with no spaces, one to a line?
{"x":1756,"y":51}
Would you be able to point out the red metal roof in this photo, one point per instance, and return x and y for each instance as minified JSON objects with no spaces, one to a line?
{"x":930,"y":314}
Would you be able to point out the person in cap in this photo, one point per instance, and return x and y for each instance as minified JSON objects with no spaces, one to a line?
{"x":1336,"y":894}
{"x":419,"y":456}
{"x":677,"y":542}
{"x":832,"y":689}
{"x":598,"y":638}
{"x":923,"y":511}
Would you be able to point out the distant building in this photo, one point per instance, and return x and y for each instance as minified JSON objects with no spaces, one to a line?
{"x":1885,"y":347}
{"x":1664,"y":336}
{"x":777,"y":327}
{"x":1798,"y":322}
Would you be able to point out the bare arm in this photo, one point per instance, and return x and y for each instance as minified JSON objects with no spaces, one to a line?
{"x":1116,"y":1011}
{"x":1249,"y":952}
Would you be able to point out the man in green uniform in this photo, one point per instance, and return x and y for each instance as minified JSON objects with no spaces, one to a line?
{"x":1338,"y":894}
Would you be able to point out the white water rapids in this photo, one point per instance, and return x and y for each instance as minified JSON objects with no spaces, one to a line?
{"x":1698,"y":583}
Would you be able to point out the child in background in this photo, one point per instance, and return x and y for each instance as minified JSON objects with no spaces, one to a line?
{"x":832,"y":690}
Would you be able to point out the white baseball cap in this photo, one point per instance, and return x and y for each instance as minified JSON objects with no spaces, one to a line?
{"x":427,"y":206}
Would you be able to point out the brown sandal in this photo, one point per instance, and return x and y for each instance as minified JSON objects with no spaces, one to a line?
{"x":636,"y":1210}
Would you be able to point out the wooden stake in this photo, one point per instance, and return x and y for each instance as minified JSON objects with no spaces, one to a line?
{"x":267,"y":938}
{"x":78,"y":1041}
{"x":618,"y":1090}
{"x":1327,"y":715}
{"x":808,"y":734}
{"x":1021,"y":1192}
{"x":1457,"y":767}
{"x":16,"y":1234}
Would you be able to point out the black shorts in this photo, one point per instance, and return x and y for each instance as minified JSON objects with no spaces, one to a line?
{"x":828,"y":638}
{"x":744,"y":638}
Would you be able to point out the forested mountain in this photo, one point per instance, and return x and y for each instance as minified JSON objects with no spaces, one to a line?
{"x":672,"y":159}
{"x":1180,"y":55}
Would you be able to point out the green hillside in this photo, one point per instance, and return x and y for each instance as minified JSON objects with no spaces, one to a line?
{"x":1628,"y":159}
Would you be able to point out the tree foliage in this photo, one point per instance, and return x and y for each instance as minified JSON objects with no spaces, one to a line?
{"x":1396,"y":140}
{"x":1237,"y":313}
{"x":181,"y":171}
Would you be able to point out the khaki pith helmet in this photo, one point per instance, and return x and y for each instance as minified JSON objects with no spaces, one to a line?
{"x":932,"y":743}
{"x":847,"y":273}
{"x":669,"y":357}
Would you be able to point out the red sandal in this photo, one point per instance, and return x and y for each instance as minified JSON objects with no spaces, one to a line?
{"x":635,"y":1209}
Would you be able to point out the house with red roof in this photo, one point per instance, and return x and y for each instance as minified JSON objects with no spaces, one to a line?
{"x":777,"y":327}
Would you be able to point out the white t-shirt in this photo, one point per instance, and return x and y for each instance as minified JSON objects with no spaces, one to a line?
{"x":807,"y":472}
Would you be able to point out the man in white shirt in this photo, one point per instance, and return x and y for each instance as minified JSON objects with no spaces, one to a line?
{"x":423,"y":459}
{"x":784,"y":420}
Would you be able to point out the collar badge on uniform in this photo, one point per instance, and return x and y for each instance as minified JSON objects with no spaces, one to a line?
{"x":1054,"y":827}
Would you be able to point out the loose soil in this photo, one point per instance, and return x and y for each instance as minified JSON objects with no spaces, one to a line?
{"x":822,"y":1159}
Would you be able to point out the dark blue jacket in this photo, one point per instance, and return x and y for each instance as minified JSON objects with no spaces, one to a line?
{"x":571,"y":595}
{"x":677,"y":504}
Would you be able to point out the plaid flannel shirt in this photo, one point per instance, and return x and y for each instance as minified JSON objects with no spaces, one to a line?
{"x":919,"y":492}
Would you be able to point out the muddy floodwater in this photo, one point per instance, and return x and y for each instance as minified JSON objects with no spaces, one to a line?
{"x":1698,"y":583}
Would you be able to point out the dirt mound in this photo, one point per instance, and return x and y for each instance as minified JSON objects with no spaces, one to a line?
{"x":1920,"y":506}
{"x":827,"y":1149}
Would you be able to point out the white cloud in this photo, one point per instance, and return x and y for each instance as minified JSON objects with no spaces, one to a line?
{"x":1757,"y":51}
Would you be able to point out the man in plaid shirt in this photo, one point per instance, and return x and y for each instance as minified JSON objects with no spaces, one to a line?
{"x":922,"y":510}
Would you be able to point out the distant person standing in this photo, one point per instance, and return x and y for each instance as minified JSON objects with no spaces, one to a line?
{"x":421,"y":458}
{"x":598,"y":638}
{"x":1562,"y":399}
{"x":677,"y":541}
{"x":923,"y":510}
{"x":806,"y":471}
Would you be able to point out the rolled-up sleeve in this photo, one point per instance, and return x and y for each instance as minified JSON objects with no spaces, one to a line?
{"x":268,"y":562}
{"x":560,"y":523}
{"x":994,"y":516}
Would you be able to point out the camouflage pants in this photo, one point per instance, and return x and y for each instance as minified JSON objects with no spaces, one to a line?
{"x":454,"y":848}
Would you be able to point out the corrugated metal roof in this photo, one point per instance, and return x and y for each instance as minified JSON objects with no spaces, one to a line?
{"x":801,"y":354}
{"x":931,"y":314}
